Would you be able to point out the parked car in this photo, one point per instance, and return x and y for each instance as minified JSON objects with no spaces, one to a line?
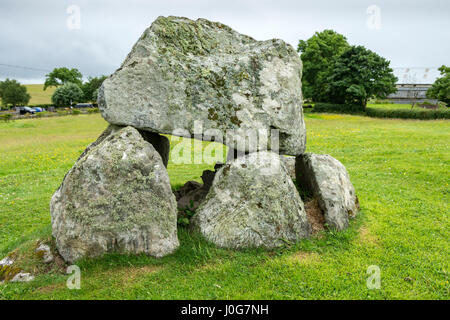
{"x":37,"y":109}
{"x":25,"y":110}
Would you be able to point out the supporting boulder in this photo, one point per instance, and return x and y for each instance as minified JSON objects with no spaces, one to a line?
{"x":252,"y":203}
{"x":116,"y":198}
{"x":330,"y":184}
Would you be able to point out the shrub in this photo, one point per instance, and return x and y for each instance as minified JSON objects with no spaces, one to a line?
{"x":76,"y":112}
{"x":6,"y":117}
{"x":338,"y":108}
{"x":93,"y":110}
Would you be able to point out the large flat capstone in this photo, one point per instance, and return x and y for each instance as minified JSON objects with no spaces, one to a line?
{"x":181,"y":71}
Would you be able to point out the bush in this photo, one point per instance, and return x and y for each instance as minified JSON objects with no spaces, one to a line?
{"x":93,"y":110}
{"x":408,"y":114}
{"x":61,"y":112}
{"x":76,"y":112}
{"x":5,"y":117}
{"x":338,"y":108}
{"x":379,"y":101}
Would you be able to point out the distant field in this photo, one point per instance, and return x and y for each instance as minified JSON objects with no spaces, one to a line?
{"x":38,"y":95}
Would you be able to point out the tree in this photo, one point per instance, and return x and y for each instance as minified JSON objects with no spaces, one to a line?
{"x":359,"y":74}
{"x":61,"y":76}
{"x":13,"y":93}
{"x":441,"y":87}
{"x":317,"y":54}
{"x":67,"y":95}
{"x":90,"y":88}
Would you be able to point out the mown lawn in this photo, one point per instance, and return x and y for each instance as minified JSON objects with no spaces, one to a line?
{"x":400,"y":169}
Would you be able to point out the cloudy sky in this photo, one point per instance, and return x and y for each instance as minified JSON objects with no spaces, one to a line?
{"x":96,"y":35}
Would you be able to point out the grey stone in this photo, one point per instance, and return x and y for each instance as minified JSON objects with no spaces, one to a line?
{"x":330,"y":184}
{"x":192,"y":199}
{"x":116,"y":198}
{"x":7,"y":261}
{"x":44,"y":251}
{"x":289,"y":163}
{"x":234,"y":154}
{"x":180,"y":71}
{"x":22,"y":277}
{"x":159,"y":142}
{"x":252,"y":203}
{"x":186,"y":188}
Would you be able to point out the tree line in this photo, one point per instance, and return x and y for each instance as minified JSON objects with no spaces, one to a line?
{"x":70,"y":88}
{"x":336,"y":72}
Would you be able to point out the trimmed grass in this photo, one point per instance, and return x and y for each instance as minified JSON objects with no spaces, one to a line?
{"x":38,"y":95}
{"x":400,"y":169}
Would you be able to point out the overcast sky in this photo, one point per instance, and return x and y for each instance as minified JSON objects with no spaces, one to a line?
{"x":45,"y":34}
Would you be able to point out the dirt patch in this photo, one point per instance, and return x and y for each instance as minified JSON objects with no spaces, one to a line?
{"x":305,"y":258}
{"x":128,"y":275}
{"x":131,"y":274}
{"x":366,"y":237}
{"x":51,"y":288}
{"x":315,"y":216}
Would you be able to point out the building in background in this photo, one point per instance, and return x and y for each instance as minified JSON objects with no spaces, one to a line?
{"x":412,"y":84}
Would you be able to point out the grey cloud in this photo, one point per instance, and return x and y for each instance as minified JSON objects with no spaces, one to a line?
{"x":34,"y":33}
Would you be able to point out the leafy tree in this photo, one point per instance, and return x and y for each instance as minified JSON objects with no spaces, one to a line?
{"x":441,"y":87}
{"x":60,"y":76}
{"x":317,"y":54}
{"x":90,"y":88}
{"x":359,"y":74}
{"x":13,"y":93}
{"x":67,"y":95}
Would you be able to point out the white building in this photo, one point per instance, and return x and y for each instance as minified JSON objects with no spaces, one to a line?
{"x":412,"y":84}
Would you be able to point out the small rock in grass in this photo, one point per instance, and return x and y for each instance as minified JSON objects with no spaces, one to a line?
{"x":22,"y":277}
{"x":44,"y":251}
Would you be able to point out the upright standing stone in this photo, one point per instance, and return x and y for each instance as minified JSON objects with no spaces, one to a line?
{"x":330,"y":184}
{"x":252,"y":203}
{"x":116,"y":198}
{"x":181,"y":71}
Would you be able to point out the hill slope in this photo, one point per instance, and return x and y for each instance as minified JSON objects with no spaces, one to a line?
{"x":38,"y":95}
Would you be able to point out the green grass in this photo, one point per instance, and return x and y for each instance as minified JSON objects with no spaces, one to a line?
{"x":400,"y":169}
{"x":38,"y":95}
{"x":390,"y":106}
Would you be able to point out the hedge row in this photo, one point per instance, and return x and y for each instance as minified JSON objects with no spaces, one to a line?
{"x":408,"y":113}
{"x":383,"y":113}
{"x":337,"y":108}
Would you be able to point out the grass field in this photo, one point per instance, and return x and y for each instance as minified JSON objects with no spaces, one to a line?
{"x":400,"y":169}
{"x":38,"y":95}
